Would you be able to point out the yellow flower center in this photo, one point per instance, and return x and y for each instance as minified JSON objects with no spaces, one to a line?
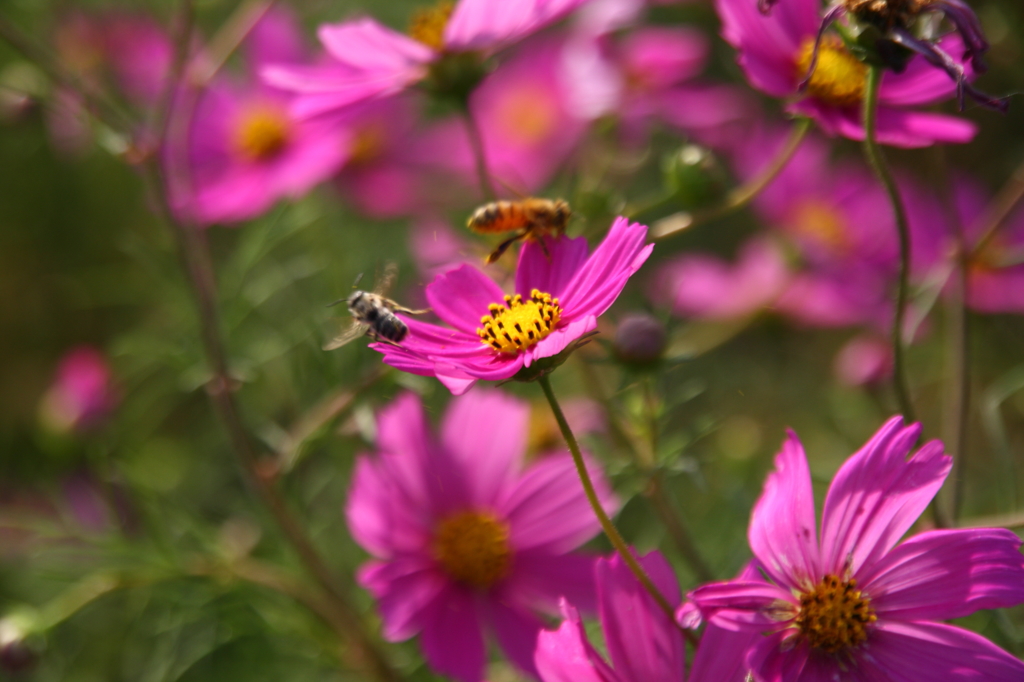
{"x":473,"y":548}
{"x":527,"y":113}
{"x":367,"y":143}
{"x":262,"y":134}
{"x":835,"y":615}
{"x":821,"y":223}
{"x":427,"y":25}
{"x":838,"y":77}
{"x":519,"y":324}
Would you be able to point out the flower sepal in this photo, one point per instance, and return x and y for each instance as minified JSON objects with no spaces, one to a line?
{"x":455,"y":75}
{"x":544,"y":366}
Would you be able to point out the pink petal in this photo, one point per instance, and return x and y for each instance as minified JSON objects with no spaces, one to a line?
{"x":922,"y":83}
{"x":560,"y":339}
{"x":516,"y":631}
{"x":548,"y":509}
{"x":946,"y":574}
{"x":452,"y":639}
{"x":896,"y":127}
{"x":460,"y":297}
{"x":370,"y":46}
{"x":773,"y":659}
{"x":722,"y":655}
{"x":381,"y":518}
{"x":565,"y":655}
{"x":643,"y":642}
{"x":549,"y":272}
{"x":782,"y":526}
{"x":540,"y":579}
{"x":744,"y":605}
{"x":601,"y":279}
{"x":404,"y":589}
{"x":877,"y":495}
{"x":483,"y":24}
{"x":938,"y":653}
{"x":485,"y":433}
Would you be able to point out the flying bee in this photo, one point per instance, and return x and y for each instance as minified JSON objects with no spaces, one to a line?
{"x":532,"y":218}
{"x":374,"y":314}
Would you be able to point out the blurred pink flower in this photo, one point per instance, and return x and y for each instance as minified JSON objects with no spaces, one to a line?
{"x":82,"y":394}
{"x":775,"y":54}
{"x":865,"y":359}
{"x":370,"y":60}
{"x":698,"y":285}
{"x":465,"y":540}
{"x":437,"y":248}
{"x":559,"y":296}
{"x":855,"y":604}
{"x":140,"y":54}
{"x":524,"y":117}
{"x":245,"y":150}
{"x":644,"y":645}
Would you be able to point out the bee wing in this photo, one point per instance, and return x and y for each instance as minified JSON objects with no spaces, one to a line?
{"x":387,"y":278}
{"x":352,"y":332}
{"x":399,"y":308}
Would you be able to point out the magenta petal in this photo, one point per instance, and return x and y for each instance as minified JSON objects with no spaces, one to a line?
{"x":380,"y":516}
{"x":539,"y":579}
{"x":548,"y":509}
{"x":404,"y":588}
{"x":549,"y":272}
{"x":877,"y":495}
{"x":601,"y":279}
{"x":560,"y":339}
{"x":939,"y":653}
{"x":370,"y":46}
{"x":485,"y":432}
{"x":452,"y":639}
{"x":565,"y":655}
{"x":922,"y":83}
{"x":643,"y":642}
{"x":782,"y":530}
{"x":945,"y":574}
{"x":516,"y":632}
{"x":773,"y":659}
{"x":483,"y":24}
{"x":742,"y":605}
{"x":722,"y":655}
{"x":460,"y":297}
{"x":896,"y":127}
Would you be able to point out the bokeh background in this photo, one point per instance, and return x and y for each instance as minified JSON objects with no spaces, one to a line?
{"x":115,"y":535}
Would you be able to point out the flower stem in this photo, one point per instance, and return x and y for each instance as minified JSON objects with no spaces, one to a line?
{"x":476,"y":141}
{"x":740,"y":196}
{"x":606,"y":523}
{"x":878,"y":164}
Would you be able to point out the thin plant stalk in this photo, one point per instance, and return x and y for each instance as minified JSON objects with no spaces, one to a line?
{"x":959,"y":408}
{"x":609,"y":528}
{"x":476,"y":141}
{"x":739,"y":197}
{"x":878,"y":164}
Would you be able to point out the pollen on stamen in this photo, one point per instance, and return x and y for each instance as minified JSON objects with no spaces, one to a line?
{"x":835,"y":615}
{"x":838,"y":76}
{"x":427,"y":25}
{"x":261,"y":134}
{"x":519,"y":325}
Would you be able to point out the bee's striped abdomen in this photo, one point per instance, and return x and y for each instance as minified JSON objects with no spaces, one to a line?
{"x":498,"y":216}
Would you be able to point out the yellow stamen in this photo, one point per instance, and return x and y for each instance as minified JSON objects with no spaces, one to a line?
{"x":820,"y":223}
{"x":838,"y":77}
{"x":261,"y":134}
{"x":835,"y":615}
{"x":427,"y":25}
{"x":472,"y":548}
{"x":519,"y":324}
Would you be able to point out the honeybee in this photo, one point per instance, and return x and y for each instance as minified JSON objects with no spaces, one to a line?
{"x":532,"y":218}
{"x":374,"y":314}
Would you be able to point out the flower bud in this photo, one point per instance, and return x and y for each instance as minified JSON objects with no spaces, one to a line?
{"x":640,"y":338}
{"x":693,"y":175}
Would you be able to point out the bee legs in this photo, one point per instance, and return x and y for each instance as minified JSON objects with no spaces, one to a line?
{"x":503,"y":247}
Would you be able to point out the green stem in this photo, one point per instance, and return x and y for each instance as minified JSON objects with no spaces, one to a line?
{"x":740,"y":196}
{"x":606,"y":523}
{"x":476,"y":141}
{"x":878,"y":164}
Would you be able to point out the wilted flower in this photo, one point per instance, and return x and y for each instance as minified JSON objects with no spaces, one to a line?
{"x":445,"y":47}
{"x":777,"y":51}
{"x":82,"y":394}
{"x":558,"y":298}
{"x":855,"y":604}
{"x":466,"y":541}
{"x":245,"y":149}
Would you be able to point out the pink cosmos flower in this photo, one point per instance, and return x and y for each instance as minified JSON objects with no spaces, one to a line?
{"x":558,"y":298}
{"x":643,"y":643}
{"x":370,"y":60}
{"x":865,"y":359}
{"x":857,"y":604}
{"x":525,"y":117}
{"x":245,"y":149}
{"x":465,"y":540}
{"x":776,"y":52}
{"x":82,"y":394}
